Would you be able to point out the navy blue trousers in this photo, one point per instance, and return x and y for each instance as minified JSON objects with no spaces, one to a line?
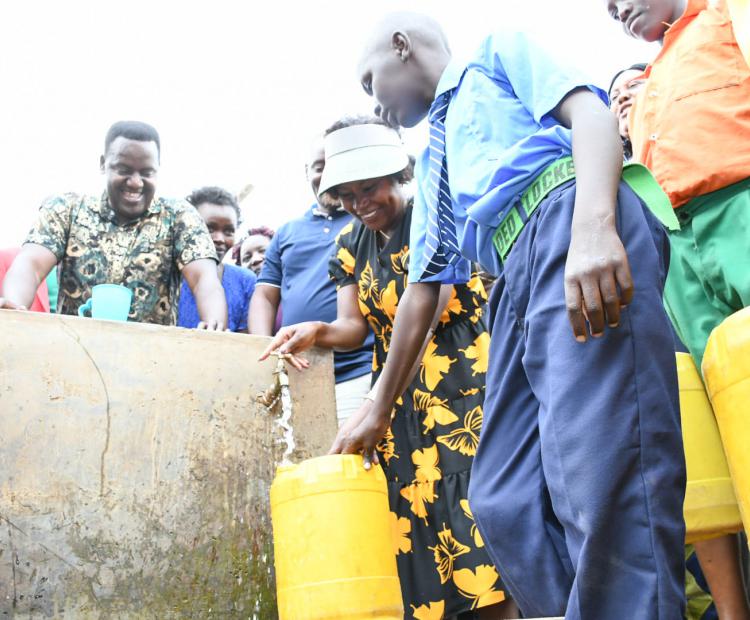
{"x":579,"y":479}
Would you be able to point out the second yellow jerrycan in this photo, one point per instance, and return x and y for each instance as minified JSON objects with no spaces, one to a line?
{"x":333,"y":542}
{"x":710,"y":505}
{"x":726,"y":369}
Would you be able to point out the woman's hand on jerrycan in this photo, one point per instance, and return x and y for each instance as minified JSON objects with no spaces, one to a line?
{"x":290,"y":341}
{"x":361,"y":433}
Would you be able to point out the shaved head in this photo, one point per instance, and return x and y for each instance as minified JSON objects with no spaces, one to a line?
{"x":401,"y":64}
{"x":422,"y":29}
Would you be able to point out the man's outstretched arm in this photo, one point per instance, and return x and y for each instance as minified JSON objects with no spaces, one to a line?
{"x":28,"y":271}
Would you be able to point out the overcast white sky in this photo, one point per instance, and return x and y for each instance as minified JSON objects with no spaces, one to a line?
{"x":236,"y":89}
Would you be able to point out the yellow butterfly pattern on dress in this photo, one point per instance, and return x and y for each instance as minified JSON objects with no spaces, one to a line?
{"x":363,"y":308}
{"x":465,"y":439}
{"x":419,"y":494}
{"x":429,"y":611}
{"x":401,"y":527}
{"x":470,"y":392}
{"x":434,"y":366}
{"x":400,"y":263}
{"x":464,"y":503}
{"x":479,"y":351}
{"x":478,"y":315}
{"x":446,"y":552}
{"x":347,"y":260}
{"x":368,"y":284}
{"x":389,"y":300}
{"x":428,"y":449}
{"x":385,"y":336}
{"x":435,"y":409}
{"x":479,"y":585}
{"x":476,"y":286}
{"x":387,"y":447}
{"x":426,"y":461}
{"x":453,"y":307}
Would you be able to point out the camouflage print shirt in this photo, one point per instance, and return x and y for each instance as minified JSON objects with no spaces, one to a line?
{"x":147,"y":255}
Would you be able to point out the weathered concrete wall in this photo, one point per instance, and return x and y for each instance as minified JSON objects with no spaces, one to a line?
{"x":135,"y":465}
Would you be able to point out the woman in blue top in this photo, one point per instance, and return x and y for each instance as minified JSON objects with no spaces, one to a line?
{"x":220,"y":211}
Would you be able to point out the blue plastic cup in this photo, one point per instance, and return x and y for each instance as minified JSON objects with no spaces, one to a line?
{"x":110,"y":302}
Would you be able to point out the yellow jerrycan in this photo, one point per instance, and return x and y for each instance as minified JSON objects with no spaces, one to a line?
{"x":726,"y":369}
{"x":710,"y":505}
{"x":333,"y":541}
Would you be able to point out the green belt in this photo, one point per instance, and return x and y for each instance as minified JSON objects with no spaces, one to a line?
{"x":638,"y":177}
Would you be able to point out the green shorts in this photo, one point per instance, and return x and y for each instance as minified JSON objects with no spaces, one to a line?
{"x":709,"y":271}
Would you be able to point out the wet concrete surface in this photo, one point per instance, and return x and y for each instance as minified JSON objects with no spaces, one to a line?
{"x":135,"y":463}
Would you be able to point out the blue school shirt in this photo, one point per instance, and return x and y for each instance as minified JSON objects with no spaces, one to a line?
{"x":297,"y":264}
{"x":239,"y":285}
{"x":500,"y":135}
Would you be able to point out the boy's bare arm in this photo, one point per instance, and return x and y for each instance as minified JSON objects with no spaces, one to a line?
{"x":597,"y":273}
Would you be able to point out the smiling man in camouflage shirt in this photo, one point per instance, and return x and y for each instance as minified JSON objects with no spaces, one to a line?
{"x":127,"y":236}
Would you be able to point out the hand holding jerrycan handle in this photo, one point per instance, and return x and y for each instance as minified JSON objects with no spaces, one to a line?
{"x":110,"y":302}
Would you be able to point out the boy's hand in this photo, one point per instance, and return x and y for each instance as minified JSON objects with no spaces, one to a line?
{"x":597,"y":279}
{"x":597,"y":274}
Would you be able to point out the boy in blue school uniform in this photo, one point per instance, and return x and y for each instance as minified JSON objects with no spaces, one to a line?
{"x":578,"y":482}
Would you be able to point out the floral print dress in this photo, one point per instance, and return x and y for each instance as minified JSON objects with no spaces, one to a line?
{"x":428,"y":450}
